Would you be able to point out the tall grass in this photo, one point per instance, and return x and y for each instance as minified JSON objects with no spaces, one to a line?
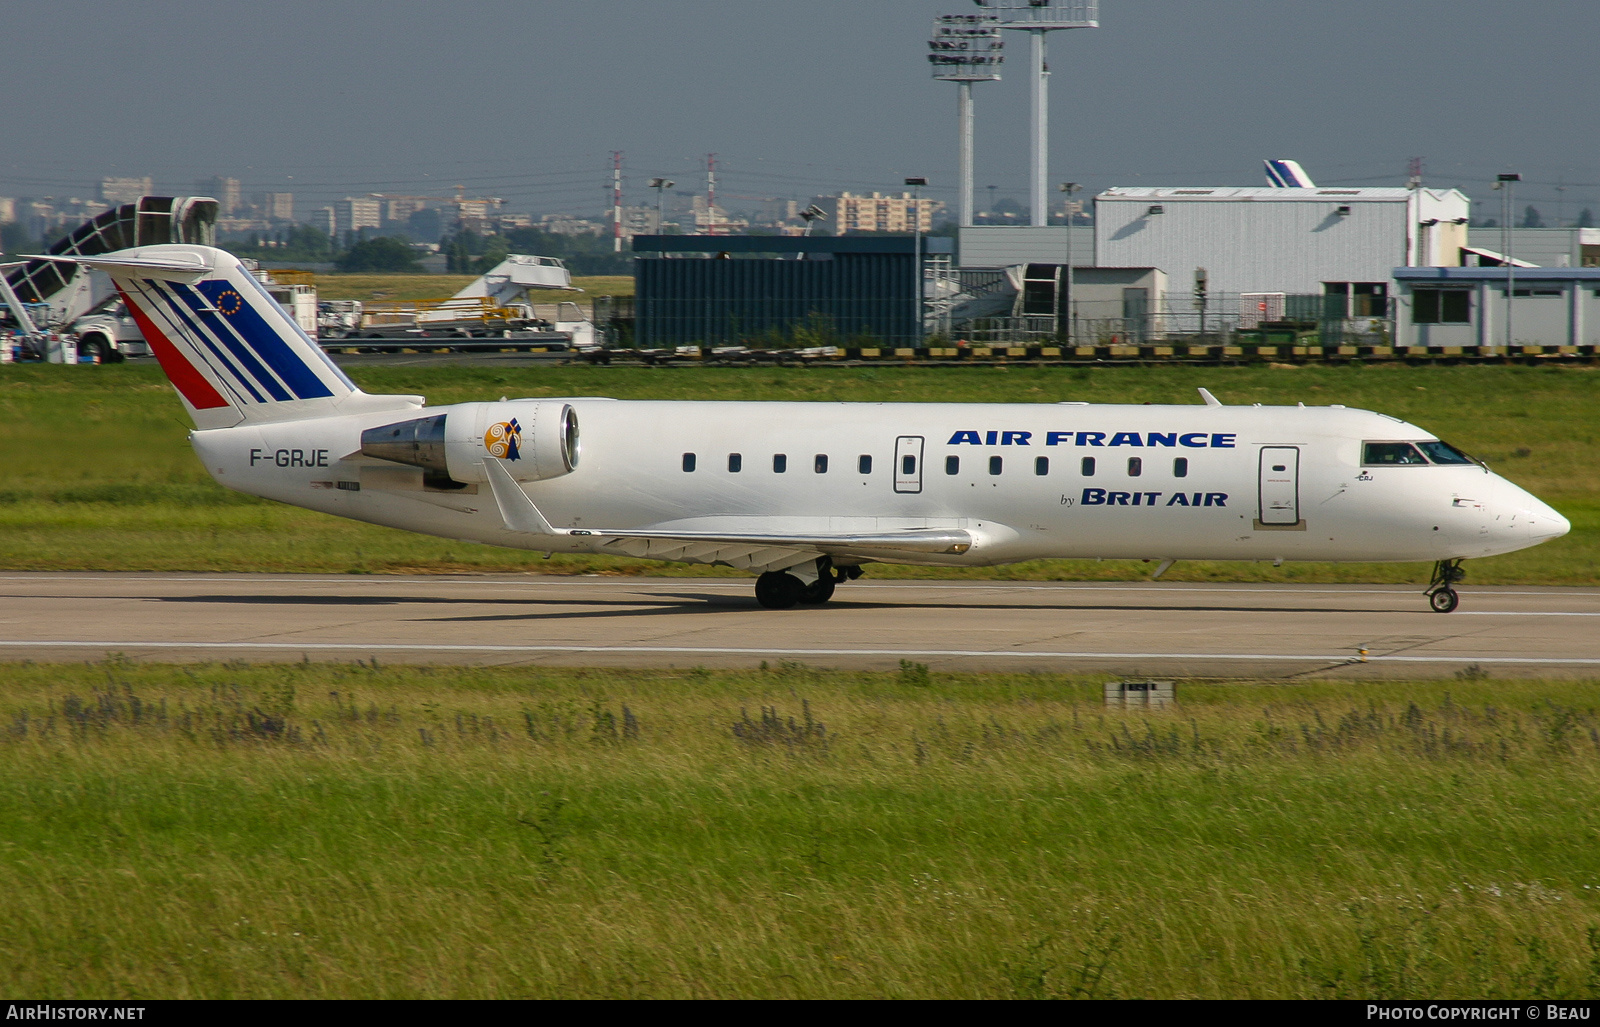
{"x":98,"y":474}
{"x":316,"y":830}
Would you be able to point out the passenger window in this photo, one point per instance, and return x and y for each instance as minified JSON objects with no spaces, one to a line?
{"x":1041,"y":465}
{"x":1382,"y":454}
{"x":1087,"y":467}
{"x":780,"y":463}
{"x":864,"y":465}
{"x":1180,"y":467}
{"x":735,"y":462}
{"x":952,"y":465}
{"x":995,"y":464}
{"x":1135,"y":466}
{"x":908,"y":465}
{"x":688,"y":461}
{"x":821,"y":464}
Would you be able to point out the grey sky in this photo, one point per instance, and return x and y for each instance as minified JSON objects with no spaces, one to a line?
{"x":526,"y":98}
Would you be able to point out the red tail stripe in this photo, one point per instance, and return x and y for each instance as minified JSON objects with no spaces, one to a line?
{"x":183,"y":375}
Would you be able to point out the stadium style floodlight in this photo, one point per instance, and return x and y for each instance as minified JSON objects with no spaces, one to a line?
{"x":1038,"y":18}
{"x":966,"y":48}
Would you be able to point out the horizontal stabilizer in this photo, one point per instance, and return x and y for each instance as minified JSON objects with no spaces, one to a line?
{"x":131,"y":265}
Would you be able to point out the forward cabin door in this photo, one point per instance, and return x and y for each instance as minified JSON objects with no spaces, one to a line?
{"x":1279,"y":486}
{"x":908,"y":463}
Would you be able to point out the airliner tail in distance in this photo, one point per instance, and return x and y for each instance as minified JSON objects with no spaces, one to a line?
{"x":1288,"y":174}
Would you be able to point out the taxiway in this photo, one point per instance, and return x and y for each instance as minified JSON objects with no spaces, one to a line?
{"x":1157,"y":628}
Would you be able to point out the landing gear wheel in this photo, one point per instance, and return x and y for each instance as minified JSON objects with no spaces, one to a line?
{"x":1441,"y":596}
{"x":1444,"y":600}
{"x":818,"y":592}
{"x":778,"y":591}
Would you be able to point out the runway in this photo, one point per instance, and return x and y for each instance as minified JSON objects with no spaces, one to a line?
{"x":1171,"y":629}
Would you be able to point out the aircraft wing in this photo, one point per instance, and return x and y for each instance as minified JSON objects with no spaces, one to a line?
{"x":751,"y":550}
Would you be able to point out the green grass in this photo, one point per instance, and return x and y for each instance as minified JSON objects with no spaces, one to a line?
{"x":311,"y":831}
{"x":97,"y":473}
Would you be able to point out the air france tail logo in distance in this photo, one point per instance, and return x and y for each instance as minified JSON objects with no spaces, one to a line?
{"x":504,"y":440}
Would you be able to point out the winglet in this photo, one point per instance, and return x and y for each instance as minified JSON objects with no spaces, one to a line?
{"x":1211,"y":401}
{"x":516,"y":509}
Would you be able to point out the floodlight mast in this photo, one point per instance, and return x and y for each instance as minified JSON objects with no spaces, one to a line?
{"x":966,"y":48}
{"x":1039,"y":18}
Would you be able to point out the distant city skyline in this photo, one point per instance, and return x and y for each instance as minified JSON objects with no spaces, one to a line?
{"x":526,"y":100}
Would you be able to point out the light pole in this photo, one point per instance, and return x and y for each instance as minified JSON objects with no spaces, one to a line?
{"x":965,"y":48}
{"x":916,"y":185}
{"x":1072,"y":314}
{"x":660,"y":185}
{"x":1507,"y":184}
{"x":1039,"y":18}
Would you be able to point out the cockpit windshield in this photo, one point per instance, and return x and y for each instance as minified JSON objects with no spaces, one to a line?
{"x":1444,"y":453}
{"x":1387,"y":454}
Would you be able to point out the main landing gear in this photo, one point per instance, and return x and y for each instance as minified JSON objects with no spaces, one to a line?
{"x":780,"y":590}
{"x":1441,"y":596}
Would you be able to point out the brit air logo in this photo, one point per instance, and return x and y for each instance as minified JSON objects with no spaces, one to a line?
{"x":1144,"y":440}
{"x":504,"y":440}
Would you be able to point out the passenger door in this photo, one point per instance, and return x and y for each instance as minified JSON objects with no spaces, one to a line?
{"x":1279,"y":487}
{"x":908,"y":464}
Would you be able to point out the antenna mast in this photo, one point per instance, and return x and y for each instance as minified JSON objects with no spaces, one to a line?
{"x":711,"y":194}
{"x":616,"y":200}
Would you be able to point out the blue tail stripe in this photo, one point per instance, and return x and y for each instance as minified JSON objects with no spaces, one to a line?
{"x":161,"y":306}
{"x":269,"y":345}
{"x":243,"y":355}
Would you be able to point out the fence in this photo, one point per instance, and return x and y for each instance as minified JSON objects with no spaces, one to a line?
{"x":1229,"y":319}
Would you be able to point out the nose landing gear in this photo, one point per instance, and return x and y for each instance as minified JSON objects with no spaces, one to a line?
{"x":1441,"y":596}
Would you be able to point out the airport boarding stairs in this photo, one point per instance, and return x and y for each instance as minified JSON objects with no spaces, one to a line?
{"x":42,"y":294}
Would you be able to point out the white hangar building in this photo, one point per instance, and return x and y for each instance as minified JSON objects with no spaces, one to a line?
{"x":1271,"y":240}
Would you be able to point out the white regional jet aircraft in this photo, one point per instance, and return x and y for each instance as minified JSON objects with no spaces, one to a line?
{"x":804,"y":494}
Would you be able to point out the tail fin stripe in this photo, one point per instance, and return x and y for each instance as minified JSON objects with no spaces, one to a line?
{"x":164,"y":305}
{"x":322,"y":360}
{"x":189,"y":382}
{"x":267,"y":344}
{"x":211,"y":326}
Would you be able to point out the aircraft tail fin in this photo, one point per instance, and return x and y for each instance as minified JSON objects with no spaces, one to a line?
{"x":229,"y":349}
{"x":1288,"y":174}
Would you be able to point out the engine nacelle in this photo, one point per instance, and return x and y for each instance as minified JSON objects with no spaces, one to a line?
{"x":535,"y":440}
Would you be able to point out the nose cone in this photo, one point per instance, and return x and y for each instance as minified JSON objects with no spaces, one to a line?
{"x":1547,"y":523}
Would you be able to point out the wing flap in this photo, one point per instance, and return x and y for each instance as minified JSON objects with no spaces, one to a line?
{"x":953,"y":541}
